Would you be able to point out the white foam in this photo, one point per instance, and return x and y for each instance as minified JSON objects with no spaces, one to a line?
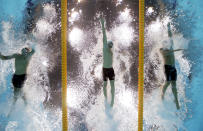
{"x":46,"y":24}
{"x":76,"y":38}
{"x":102,"y":117}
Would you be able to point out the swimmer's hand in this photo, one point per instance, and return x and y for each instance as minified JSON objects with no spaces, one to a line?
{"x":184,"y":50}
{"x":181,"y":49}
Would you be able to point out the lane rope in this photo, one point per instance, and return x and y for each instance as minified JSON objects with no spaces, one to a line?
{"x":141,"y":65}
{"x":64,"y":64}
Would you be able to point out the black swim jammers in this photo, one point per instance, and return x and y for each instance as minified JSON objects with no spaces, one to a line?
{"x":170,"y":72}
{"x":108,"y":73}
{"x":18,"y":80}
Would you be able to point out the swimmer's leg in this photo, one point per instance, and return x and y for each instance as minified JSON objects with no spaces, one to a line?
{"x":112,"y":92}
{"x":16,"y":95}
{"x":104,"y":90}
{"x":15,"y":98}
{"x":167,"y":83}
{"x":174,"y":90}
{"x":24,"y":99}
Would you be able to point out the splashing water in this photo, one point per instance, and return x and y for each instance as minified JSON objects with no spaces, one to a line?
{"x":33,"y":116}
{"x":122,"y":36}
{"x":86,"y":89}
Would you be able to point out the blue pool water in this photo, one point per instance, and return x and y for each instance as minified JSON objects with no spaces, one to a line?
{"x":190,"y":25}
{"x":195,"y":90}
{"x":10,"y":9}
{"x":13,"y":12}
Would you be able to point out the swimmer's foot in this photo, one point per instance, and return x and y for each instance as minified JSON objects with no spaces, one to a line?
{"x":177,"y":104}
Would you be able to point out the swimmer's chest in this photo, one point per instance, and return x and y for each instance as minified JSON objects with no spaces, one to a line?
{"x":21,"y":60}
{"x":107,"y":51}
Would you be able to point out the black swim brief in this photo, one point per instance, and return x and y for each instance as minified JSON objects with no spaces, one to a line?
{"x":170,"y":72}
{"x":18,"y":80}
{"x":108,"y":73}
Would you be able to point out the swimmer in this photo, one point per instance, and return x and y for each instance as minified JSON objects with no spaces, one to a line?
{"x":170,"y":70}
{"x":21,"y":63}
{"x":108,"y":71}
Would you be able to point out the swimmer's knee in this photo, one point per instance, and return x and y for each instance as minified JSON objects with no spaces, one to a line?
{"x":174,"y":82}
{"x":105,"y":84}
{"x":167,"y":83}
{"x":112,"y":81}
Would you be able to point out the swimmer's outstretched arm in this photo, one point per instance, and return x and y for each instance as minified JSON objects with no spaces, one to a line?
{"x":103,"y":31}
{"x":169,"y":30}
{"x":169,"y":52}
{"x":7,"y":57}
{"x":177,"y":50}
{"x":170,"y":35}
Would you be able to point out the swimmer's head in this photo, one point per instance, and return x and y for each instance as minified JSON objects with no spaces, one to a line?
{"x":110,"y":44}
{"x":25,"y":51}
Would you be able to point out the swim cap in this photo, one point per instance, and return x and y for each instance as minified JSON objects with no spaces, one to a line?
{"x":110,"y":44}
{"x":25,"y":51}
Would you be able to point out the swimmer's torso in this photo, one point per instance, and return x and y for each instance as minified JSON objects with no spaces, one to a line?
{"x":169,"y":58}
{"x":21,"y":64}
{"x":107,"y":57}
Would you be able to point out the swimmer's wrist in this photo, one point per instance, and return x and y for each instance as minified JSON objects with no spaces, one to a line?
{"x":102,"y":21}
